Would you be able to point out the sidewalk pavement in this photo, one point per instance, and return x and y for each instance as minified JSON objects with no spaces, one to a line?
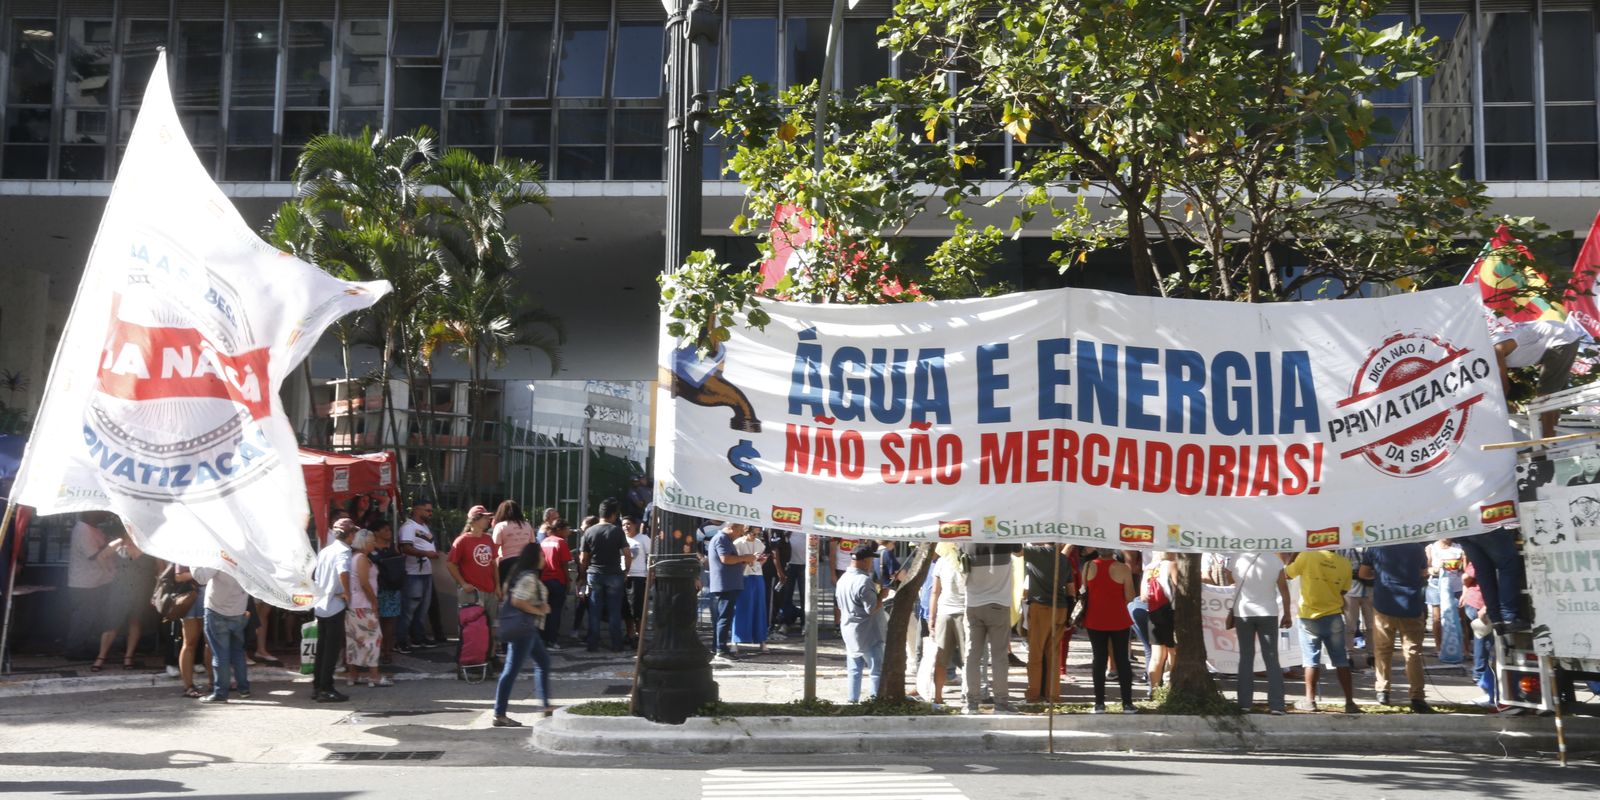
{"x":776,"y":676}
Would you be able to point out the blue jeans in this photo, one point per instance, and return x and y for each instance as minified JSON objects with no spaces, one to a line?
{"x":871,"y":662}
{"x":1321,"y":632}
{"x":1251,"y":631}
{"x":605,"y":600}
{"x":722,"y":619}
{"x":418,"y":597}
{"x":1483,"y":665}
{"x":1498,"y":567}
{"x":518,"y":651}
{"x":225,"y":635}
{"x":1141,"y":625}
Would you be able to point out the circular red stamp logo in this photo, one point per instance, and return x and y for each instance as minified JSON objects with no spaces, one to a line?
{"x":1409,"y":403}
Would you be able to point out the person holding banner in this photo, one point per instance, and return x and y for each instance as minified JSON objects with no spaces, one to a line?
{"x":1324,"y":578}
{"x":1260,"y":610}
{"x":1108,"y":589}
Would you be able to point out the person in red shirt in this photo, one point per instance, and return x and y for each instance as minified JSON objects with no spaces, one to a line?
{"x":557,"y":555}
{"x":472,"y":563}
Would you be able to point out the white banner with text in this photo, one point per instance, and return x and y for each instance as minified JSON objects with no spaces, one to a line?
{"x":1097,"y":418}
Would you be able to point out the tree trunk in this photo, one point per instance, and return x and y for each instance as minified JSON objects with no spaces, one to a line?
{"x":1144,"y":268}
{"x":1189,"y":675}
{"x":893,"y":685}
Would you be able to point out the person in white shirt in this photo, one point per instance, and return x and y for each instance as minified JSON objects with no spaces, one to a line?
{"x":227,"y":611}
{"x":332,"y":576}
{"x":418,"y":544}
{"x":990,"y":580}
{"x":1260,"y":610}
{"x":638,"y":571}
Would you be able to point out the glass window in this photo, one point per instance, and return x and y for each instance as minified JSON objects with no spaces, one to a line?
{"x":199,"y":60}
{"x":806,"y":49}
{"x":527,"y":136}
{"x":1508,"y":133}
{"x":638,"y":60}
{"x":1447,"y":94}
{"x":417,"y":38}
{"x":472,"y":129}
{"x":1569,"y":95}
{"x":527,"y":60}
{"x":581,"y":150}
{"x":361,"y":68}
{"x":864,"y":61}
{"x":89,"y":52}
{"x":255,"y":64}
{"x":417,"y":87}
{"x":33,"y":61}
{"x":753,"y":49}
{"x":638,"y":154}
{"x":469,"y":72}
{"x":28,"y":126}
{"x":140,"y":39}
{"x":310,"y":57}
{"x":581,"y":72}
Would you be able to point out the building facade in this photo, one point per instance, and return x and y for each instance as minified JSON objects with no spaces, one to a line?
{"x":576,"y":86}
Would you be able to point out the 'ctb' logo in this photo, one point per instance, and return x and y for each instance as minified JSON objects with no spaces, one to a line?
{"x":786,"y":515}
{"x":1137,"y":534}
{"x":1497,"y":513}
{"x":955,"y":529}
{"x":1324,"y":537}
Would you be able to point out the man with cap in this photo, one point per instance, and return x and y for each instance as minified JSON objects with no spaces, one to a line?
{"x":861,"y":620}
{"x":332,"y":577}
{"x":472,"y":563}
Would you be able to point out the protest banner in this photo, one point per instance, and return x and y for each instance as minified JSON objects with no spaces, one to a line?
{"x":162,"y":403}
{"x":1096,"y":418}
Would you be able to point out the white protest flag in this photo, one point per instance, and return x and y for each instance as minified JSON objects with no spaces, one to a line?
{"x":162,"y":403}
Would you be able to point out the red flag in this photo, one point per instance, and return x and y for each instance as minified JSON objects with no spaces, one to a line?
{"x":796,"y":241}
{"x":1580,"y":298}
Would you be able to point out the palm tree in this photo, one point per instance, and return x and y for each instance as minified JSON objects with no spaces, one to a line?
{"x":371,"y":192}
{"x":478,"y":310}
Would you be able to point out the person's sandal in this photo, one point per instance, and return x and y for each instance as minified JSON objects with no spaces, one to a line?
{"x":99,"y":664}
{"x":127,"y":663}
{"x":192,"y":693}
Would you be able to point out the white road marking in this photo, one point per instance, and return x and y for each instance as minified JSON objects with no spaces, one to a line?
{"x":831,"y":783}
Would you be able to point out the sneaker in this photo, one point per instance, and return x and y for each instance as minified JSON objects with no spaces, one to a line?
{"x":1383,"y":698}
{"x":1484,"y":700}
{"x":969,"y":711}
{"x":384,"y":681}
{"x":403,"y":649}
{"x":1421,"y":707}
{"x":1004,"y":708}
{"x":211,"y":698}
{"x":720,"y":660}
{"x":1129,"y":708}
{"x":778,"y":636}
{"x":172,"y":672}
{"x":506,"y":722}
{"x":555,"y":647}
{"x":244,"y":695}
{"x":1099,"y":708}
{"x":1277,"y":712}
{"x":1305,"y":705}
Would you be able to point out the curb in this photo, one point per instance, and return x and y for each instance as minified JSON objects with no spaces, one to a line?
{"x":38,"y":687}
{"x":1074,"y":733}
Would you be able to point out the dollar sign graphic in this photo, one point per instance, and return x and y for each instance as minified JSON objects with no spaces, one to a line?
{"x":739,"y":457}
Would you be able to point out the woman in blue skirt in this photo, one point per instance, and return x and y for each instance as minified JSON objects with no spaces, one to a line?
{"x":750,"y":609}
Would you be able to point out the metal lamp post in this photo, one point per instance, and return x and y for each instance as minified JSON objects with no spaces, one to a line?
{"x":675,"y":667}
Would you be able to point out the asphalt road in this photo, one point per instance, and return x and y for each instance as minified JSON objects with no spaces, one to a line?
{"x":429,"y":738}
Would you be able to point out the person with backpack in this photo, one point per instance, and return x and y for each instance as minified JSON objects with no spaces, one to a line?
{"x":1156,"y":592}
{"x":521,"y":620}
{"x":391,"y":567}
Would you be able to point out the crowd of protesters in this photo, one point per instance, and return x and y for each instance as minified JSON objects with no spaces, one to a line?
{"x":1353,"y":608}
